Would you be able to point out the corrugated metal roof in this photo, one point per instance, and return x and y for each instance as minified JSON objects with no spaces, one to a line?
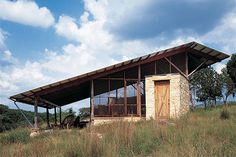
{"x":28,"y":96}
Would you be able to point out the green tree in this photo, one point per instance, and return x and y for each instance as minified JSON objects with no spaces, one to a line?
{"x":208,"y":85}
{"x":71,"y":111}
{"x":84,"y":112}
{"x":12,"y":118}
{"x":231,"y":67}
{"x":5,"y":122}
{"x":228,"y":86}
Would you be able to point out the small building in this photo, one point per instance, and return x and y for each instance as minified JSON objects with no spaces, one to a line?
{"x":152,"y":86}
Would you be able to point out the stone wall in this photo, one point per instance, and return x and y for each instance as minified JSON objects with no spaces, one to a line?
{"x":185,"y":95}
{"x":179,"y":94}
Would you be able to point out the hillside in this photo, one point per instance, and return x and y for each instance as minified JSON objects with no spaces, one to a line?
{"x":199,"y":133}
{"x":12,"y":118}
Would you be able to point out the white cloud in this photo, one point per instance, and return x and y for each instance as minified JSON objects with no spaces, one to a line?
{"x":29,"y":74}
{"x":95,"y":46}
{"x":67,"y":27}
{"x":224,"y":34}
{"x":6,"y":56}
{"x":219,"y":67}
{"x":26,"y":12}
{"x":2,"y":38}
{"x":90,"y":33}
{"x":84,"y":19}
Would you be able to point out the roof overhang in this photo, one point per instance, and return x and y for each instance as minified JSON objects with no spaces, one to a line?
{"x":77,"y":88}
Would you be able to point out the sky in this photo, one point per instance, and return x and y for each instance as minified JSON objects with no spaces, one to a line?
{"x":45,"y":41}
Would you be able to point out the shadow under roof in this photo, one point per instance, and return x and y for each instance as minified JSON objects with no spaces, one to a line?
{"x":66,"y":88}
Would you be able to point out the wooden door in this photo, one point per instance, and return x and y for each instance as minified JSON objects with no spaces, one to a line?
{"x":162,"y":99}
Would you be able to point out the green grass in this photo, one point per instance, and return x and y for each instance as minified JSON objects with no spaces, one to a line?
{"x":19,"y":135}
{"x":199,"y":133}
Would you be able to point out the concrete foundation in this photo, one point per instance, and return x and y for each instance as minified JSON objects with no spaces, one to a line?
{"x":105,"y":120}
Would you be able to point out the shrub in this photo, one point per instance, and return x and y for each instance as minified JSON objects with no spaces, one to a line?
{"x":224,"y":114}
{"x":15,"y":136}
{"x":199,"y":133}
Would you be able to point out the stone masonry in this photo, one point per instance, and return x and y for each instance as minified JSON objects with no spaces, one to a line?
{"x":179,"y":94}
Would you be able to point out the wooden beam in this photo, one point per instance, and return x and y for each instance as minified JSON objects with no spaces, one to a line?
{"x":109,"y":92}
{"x":125,"y":96}
{"x":193,"y":58}
{"x":186,"y":63}
{"x":33,"y":98}
{"x":176,"y":68}
{"x":198,"y":67}
{"x":60,"y":115}
{"x":48,"y":102}
{"x":155,"y":68}
{"x":55,"y":115}
{"x":47,"y":117}
{"x":36,"y":113}
{"x":92,"y":101}
{"x":205,"y":55}
{"x":97,"y":74}
{"x":138,"y":92}
{"x":116,"y":95}
{"x":118,"y":79}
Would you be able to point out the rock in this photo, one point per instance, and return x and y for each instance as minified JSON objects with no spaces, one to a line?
{"x":34,"y":134}
{"x":50,"y":131}
{"x":99,"y":136}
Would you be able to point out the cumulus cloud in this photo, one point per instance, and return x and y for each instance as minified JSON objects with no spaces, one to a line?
{"x":17,"y":77}
{"x":224,"y":34}
{"x":67,"y":27}
{"x":2,"y":38}
{"x":6,"y":58}
{"x":96,"y":43}
{"x":89,"y":33}
{"x":26,"y":12}
{"x":147,"y":19}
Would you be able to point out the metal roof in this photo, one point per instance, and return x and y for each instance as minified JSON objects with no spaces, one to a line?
{"x":43,"y":92}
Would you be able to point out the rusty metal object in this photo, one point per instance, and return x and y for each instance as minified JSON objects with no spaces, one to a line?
{"x":68,"y":122}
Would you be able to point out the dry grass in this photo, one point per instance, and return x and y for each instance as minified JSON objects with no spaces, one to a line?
{"x":199,"y":133}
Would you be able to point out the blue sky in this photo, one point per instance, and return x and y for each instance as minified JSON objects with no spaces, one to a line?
{"x":44,"y":41}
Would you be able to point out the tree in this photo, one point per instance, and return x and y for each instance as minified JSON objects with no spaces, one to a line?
{"x":84,"y":112}
{"x":208,"y":85}
{"x":231,"y":67}
{"x":12,"y":118}
{"x":71,"y":112}
{"x":216,"y":83}
{"x":228,"y":86}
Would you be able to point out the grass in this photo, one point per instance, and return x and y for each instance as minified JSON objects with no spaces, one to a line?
{"x":199,"y":133}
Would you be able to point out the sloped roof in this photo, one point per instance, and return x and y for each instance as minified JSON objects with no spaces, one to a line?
{"x":46,"y":92}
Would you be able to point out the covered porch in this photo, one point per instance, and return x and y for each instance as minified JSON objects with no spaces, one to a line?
{"x":118,"y":91}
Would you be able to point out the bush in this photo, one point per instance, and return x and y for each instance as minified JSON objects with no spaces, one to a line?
{"x":224,"y":114}
{"x":15,"y":136}
{"x":199,"y":133}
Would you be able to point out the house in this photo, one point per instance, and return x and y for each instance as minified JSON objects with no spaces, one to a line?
{"x":152,"y":86}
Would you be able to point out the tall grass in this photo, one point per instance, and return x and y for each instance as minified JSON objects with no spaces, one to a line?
{"x":19,"y":135}
{"x":199,"y":133}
